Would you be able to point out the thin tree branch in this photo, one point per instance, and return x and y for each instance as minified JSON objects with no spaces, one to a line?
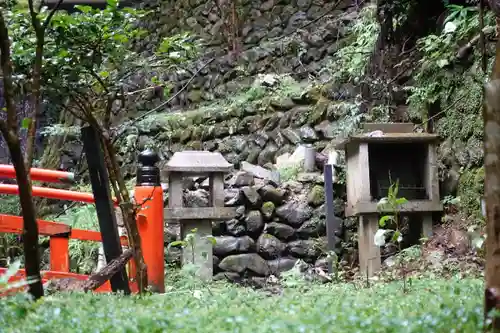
{"x":482,"y":37}
{"x":464,"y":50}
{"x":51,"y":14}
{"x":101,"y":82}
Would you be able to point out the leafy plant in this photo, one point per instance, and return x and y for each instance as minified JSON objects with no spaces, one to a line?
{"x":289,"y":172}
{"x":83,"y":255}
{"x":351,"y":60}
{"x":431,"y":83}
{"x":6,"y":286}
{"x":391,"y":203}
{"x":477,"y":238}
{"x":191,"y":240}
{"x":451,"y":204}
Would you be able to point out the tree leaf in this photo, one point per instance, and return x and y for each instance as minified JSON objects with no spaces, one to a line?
{"x":177,"y":243}
{"x":383,"y":220}
{"x":211,"y":239}
{"x":13,"y":268}
{"x":401,"y":201}
{"x":382,"y":202}
{"x":397,"y":237}
{"x":26,"y":123}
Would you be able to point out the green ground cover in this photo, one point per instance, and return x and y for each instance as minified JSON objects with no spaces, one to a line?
{"x":430,"y":305}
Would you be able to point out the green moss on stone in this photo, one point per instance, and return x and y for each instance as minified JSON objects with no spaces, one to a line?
{"x":195,"y":96}
{"x":289,"y":173}
{"x":194,"y":145}
{"x":197,"y":133}
{"x":185,"y":135}
{"x":316,"y":196}
{"x":268,"y":209}
{"x":470,"y":191}
{"x":319,"y":111}
{"x":167,"y":136}
{"x":221,"y":130}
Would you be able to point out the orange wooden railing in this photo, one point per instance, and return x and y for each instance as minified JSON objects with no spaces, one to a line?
{"x":59,"y":234}
{"x":150,"y":223}
{"x":52,"y":193}
{"x":43,"y":175}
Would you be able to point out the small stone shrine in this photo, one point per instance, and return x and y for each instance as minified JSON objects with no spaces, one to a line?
{"x":192,"y":164}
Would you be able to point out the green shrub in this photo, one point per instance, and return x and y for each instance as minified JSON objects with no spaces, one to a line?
{"x":83,"y":255}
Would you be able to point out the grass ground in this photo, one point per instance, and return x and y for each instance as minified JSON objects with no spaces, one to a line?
{"x":430,"y":305}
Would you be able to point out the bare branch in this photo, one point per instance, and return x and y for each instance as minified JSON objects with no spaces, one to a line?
{"x":464,"y":50}
{"x":94,"y":281}
{"x":34,"y":16}
{"x":51,"y":14}
{"x":99,"y":80}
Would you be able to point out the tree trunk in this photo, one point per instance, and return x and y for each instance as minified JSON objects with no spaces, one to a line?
{"x":129,"y":213}
{"x":491,"y":118}
{"x":10,"y":133}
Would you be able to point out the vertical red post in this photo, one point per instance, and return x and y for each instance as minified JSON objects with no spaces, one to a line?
{"x":59,"y":254}
{"x":132,"y":272}
{"x":149,"y":194}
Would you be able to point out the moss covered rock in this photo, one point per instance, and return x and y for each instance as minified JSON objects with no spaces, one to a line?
{"x":268,"y":209}
{"x":470,"y":191}
{"x":316,"y":196}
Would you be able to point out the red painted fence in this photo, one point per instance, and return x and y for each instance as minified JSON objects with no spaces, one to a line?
{"x":150,"y":222}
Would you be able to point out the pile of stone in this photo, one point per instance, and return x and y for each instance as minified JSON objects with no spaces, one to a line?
{"x":277,"y":223}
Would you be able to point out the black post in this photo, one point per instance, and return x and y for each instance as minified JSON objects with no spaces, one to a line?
{"x":330,"y":213}
{"x":148,"y":174}
{"x":104,"y":206}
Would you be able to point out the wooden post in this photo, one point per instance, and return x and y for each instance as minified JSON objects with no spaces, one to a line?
{"x":432,"y":188}
{"x":363,"y":172}
{"x":369,"y":253}
{"x":104,"y":206}
{"x":59,"y":253}
{"x":149,"y":194}
{"x":427,"y":225}
{"x":492,"y":194}
{"x":331,"y":227}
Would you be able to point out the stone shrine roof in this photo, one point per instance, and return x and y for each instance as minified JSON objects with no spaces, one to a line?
{"x":195,"y":161}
